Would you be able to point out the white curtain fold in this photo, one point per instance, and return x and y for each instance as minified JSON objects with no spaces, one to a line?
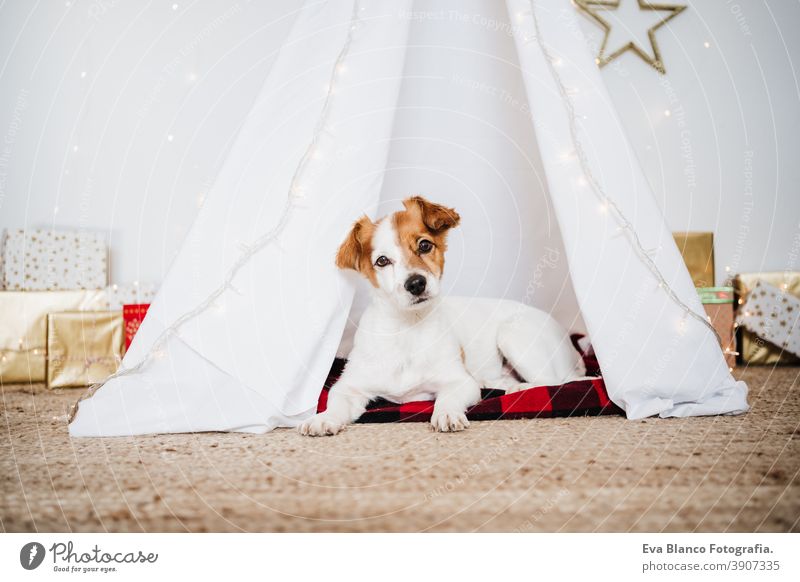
{"x":656,"y":358}
{"x":317,"y":136}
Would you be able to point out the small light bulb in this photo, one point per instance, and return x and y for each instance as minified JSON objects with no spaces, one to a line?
{"x":667,"y":113}
{"x":75,"y":148}
{"x":83,"y":74}
{"x":174,"y":6}
{"x":170,"y":137}
{"x":707,"y":44}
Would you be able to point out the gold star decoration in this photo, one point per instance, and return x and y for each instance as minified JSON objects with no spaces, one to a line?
{"x":591,"y":8}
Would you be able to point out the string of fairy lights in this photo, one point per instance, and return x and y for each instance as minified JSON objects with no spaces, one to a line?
{"x":294,"y":200}
{"x":607,"y":205}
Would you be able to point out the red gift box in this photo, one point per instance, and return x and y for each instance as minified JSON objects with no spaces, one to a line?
{"x":132,"y":316}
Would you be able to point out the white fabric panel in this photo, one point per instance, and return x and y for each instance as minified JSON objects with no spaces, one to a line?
{"x":652,"y":364}
{"x":257,"y":358}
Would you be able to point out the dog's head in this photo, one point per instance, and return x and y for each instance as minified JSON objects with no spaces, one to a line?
{"x":402,"y":255}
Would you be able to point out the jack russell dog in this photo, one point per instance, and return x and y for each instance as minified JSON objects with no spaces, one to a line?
{"x":412,"y":344}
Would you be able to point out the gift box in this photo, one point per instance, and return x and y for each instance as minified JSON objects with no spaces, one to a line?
{"x":771,"y":313}
{"x":133,"y":315}
{"x":23,"y":332}
{"x":135,"y":293}
{"x":50,"y":260}
{"x":718,"y":305}
{"x":2,"y":260}
{"x":697,"y":249}
{"x":753,"y":349}
{"x":83,"y":347}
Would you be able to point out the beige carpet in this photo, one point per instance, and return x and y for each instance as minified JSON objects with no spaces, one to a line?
{"x":579,"y":474}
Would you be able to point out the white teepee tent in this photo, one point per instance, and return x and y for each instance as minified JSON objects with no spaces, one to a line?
{"x":371,"y":101}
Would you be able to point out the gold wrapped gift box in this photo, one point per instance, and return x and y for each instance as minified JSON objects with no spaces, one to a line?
{"x":23,"y":331}
{"x":753,"y":349}
{"x":83,"y":347}
{"x":697,"y":249}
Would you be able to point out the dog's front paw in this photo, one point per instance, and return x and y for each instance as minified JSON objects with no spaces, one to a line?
{"x":449,"y":421}
{"x":320,"y":425}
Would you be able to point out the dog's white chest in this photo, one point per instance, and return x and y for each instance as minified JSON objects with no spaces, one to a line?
{"x":407,"y":356}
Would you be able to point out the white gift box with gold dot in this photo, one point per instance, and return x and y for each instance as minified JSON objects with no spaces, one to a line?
{"x":52,"y":260}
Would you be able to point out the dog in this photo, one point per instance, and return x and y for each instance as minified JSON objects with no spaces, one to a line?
{"x":412,"y":344}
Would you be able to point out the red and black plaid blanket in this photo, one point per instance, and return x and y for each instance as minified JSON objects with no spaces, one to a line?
{"x":581,"y":398}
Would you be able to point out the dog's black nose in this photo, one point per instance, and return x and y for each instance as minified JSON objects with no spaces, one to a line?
{"x":415,"y":284}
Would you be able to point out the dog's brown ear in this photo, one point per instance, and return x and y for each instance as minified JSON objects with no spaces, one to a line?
{"x":355,"y":246}
{"x":436,"y":217}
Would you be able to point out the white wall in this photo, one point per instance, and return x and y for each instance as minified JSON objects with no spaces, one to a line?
{"x":115,"y":115}
{"x":118,"y":114}
{"x":725,"y":159}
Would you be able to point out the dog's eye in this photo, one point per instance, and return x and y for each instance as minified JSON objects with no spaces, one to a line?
{"x":382,"y":261}
{"x":424,"y":246}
